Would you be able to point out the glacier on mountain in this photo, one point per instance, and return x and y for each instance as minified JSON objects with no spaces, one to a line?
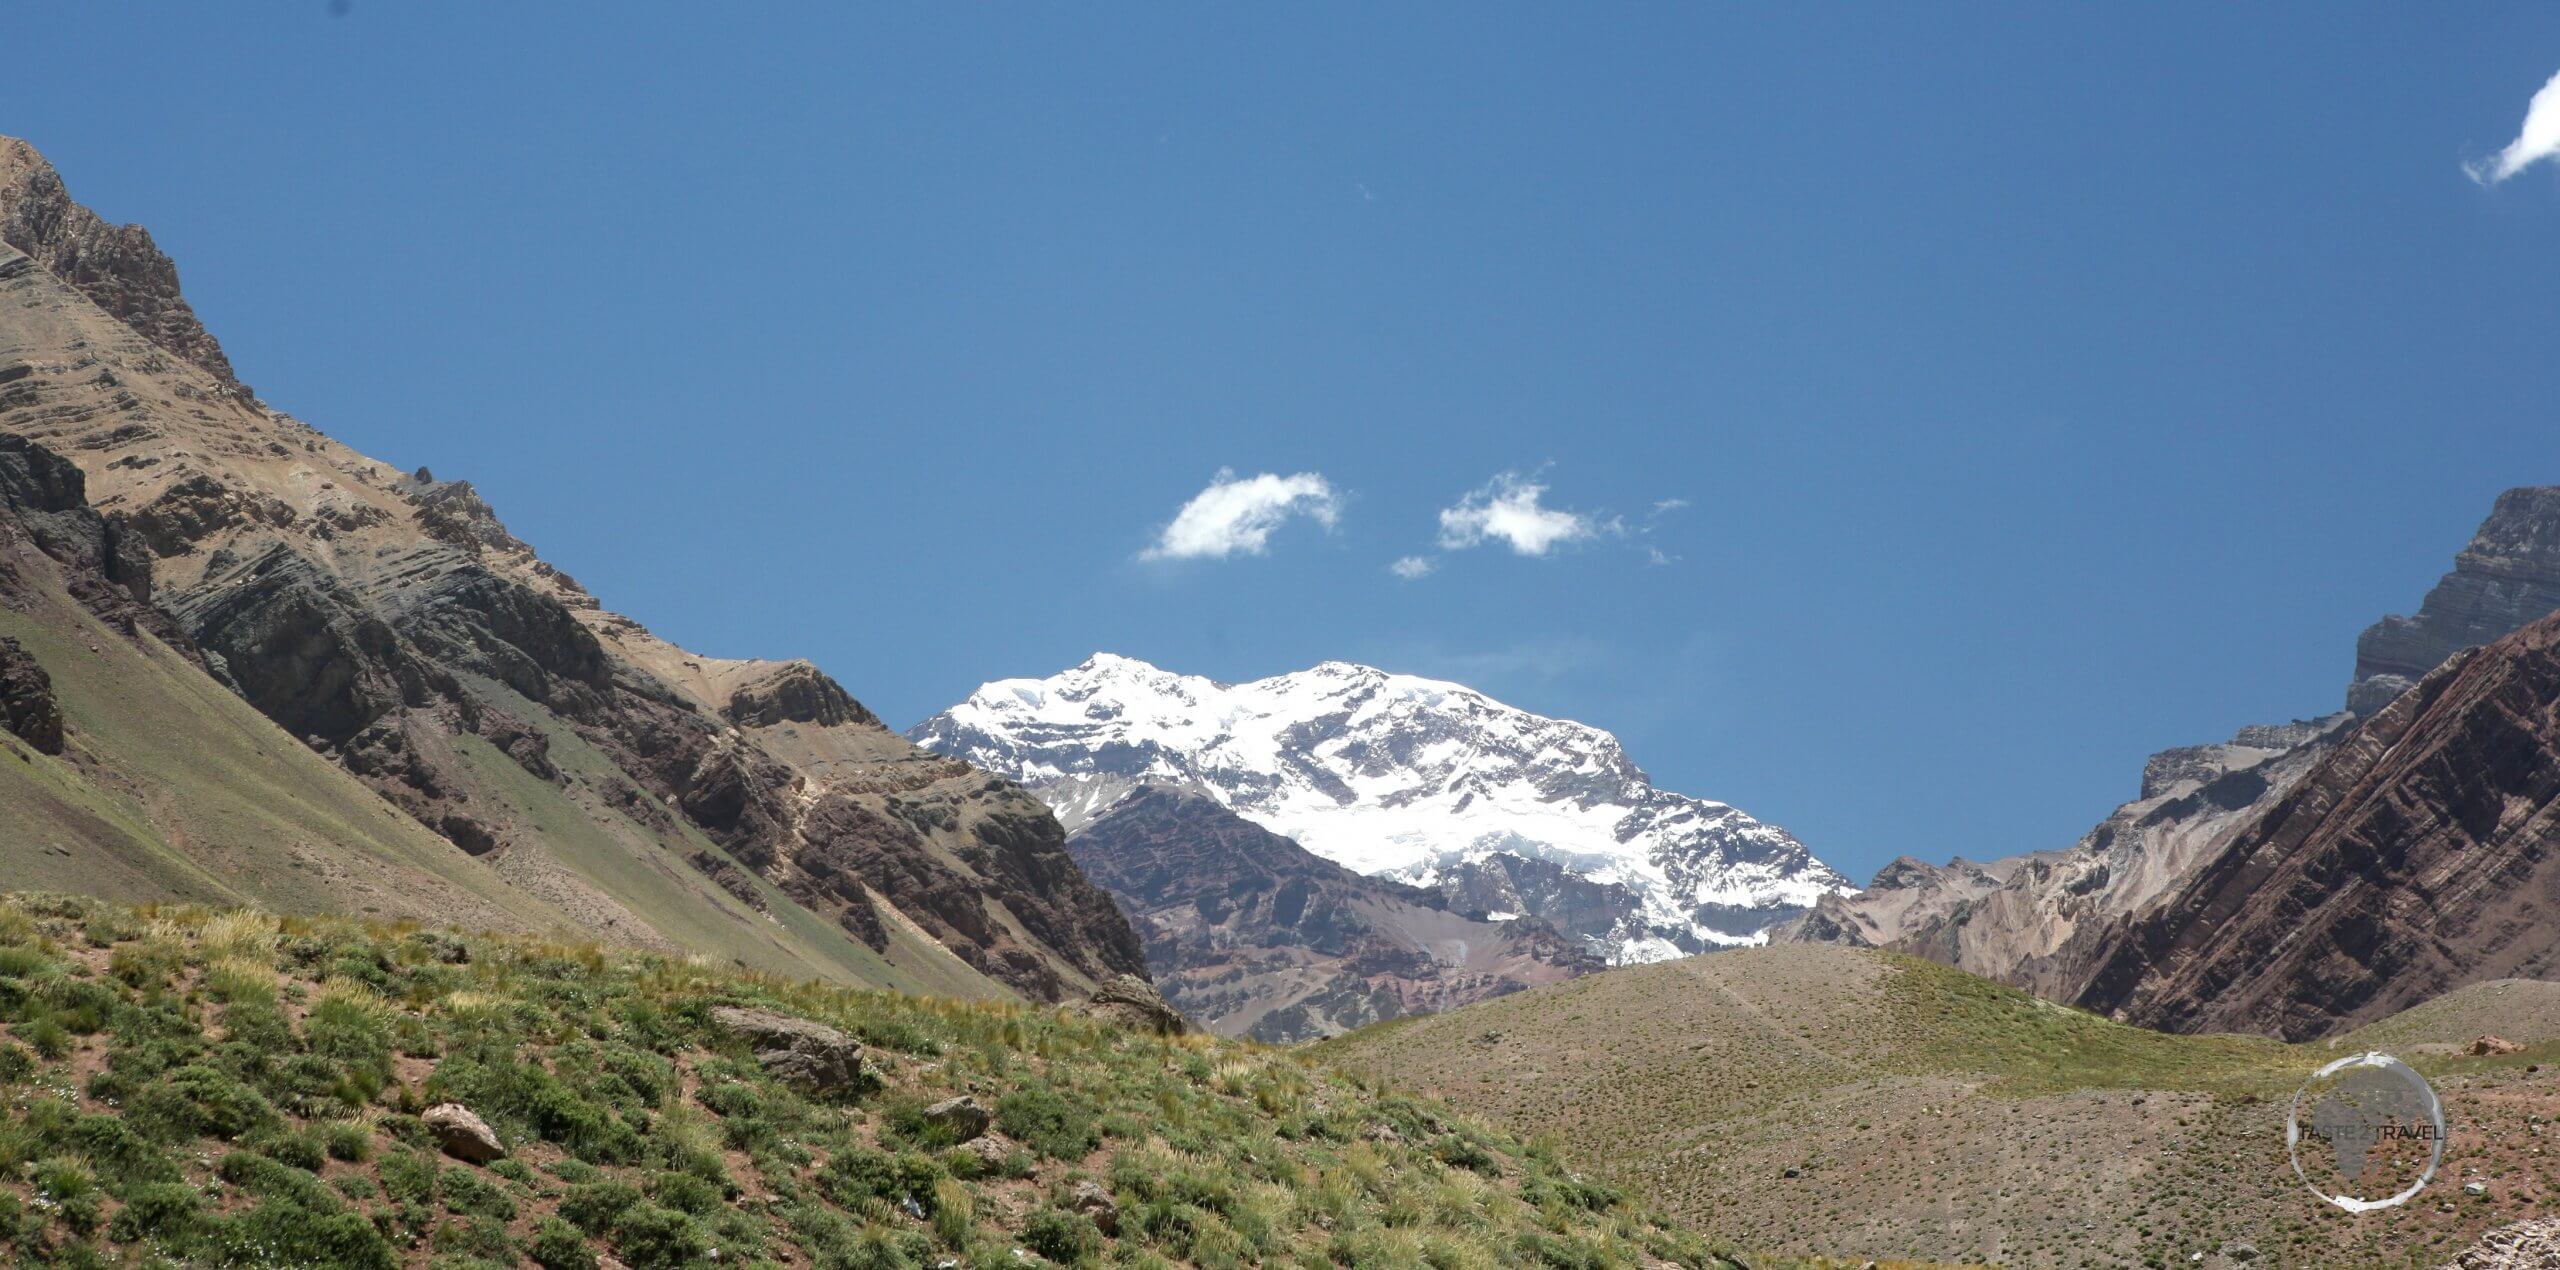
{"x":1421,"y":780}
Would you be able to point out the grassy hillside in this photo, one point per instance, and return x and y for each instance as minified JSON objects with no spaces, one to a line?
{"x":1858,"y":1104}
{"x":193,"y":1087}
{"x":174,"y":788}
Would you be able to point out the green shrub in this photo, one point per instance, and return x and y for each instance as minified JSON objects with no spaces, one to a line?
{"x":172,"y":1213}
{"x":1061,"y":1236}
{"x":198,"y":1101}
{"x":1048,"y":1122}
{"x":594,"y":1207}
{"x":649,"y":1237}
{"x":467,"y":1192}
{"x":557,"y":1245}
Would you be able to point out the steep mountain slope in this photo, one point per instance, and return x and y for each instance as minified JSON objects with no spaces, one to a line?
{"x":1418,"y":780}
{"x":1253,"y":935}
{"x":2052,"y":918}
{"x":1857,"y":1104}
{"x":391,"y":622}
{"x":2421,"y":853}
{"x":222,"y":1089}
{"x":2042,"y":921}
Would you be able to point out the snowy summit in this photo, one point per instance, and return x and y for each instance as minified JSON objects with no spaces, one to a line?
{"x":1421,"y":780}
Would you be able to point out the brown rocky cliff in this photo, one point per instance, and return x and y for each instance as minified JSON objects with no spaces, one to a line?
{"x":116,"y":266}
{"x":2417,"y":856}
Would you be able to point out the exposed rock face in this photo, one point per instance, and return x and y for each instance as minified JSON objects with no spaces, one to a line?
{"x":1256,"y":936}
{"x":2507,"y":577}
{"x":2417,"y":856}
{"x":1134,"y":1003}
{"x":116,"y":266}
{"x":462,"y":1134}
{"x":813,"y":1056}
{"x":1415,"y":779}
{"x":393,"y":622}
{"x":2043,"y":921}
{"x":27,"y":707}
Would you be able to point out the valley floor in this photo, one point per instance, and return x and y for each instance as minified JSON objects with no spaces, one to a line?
{"x":1827,"y":1101}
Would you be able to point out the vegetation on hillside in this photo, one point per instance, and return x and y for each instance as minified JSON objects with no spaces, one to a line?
{"x":197,"y":1087}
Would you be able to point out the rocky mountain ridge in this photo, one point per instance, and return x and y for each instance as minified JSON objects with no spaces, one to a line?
{"x":2102,"y":922}
{"x":392,"y":623}
{"x":1417,"y":780}
{"x":2420,"y":854}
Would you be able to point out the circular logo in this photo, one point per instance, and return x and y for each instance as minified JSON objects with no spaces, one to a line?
{"x":2366,"y":1132}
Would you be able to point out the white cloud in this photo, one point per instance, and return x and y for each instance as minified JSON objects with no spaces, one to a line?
{"x":1507,"y":509}
{"x":1411,"y":567}
{"x":1238,"y":515}
{"x":2539,"y":140}
{"x":1669,"y":505}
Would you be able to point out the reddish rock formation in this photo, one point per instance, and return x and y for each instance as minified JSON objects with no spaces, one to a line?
{"x":2417,"y":856}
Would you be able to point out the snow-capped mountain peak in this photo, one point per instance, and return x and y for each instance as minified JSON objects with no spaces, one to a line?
{"x":1424,"y":780}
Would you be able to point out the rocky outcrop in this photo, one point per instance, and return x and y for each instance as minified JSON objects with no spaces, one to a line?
{"x":1256,"y":936}
{"x":27,"y":707}
{"x":2507,"y":577}
{"x":794,"y":692}
{"x":2421,"y":853}
{"x":1133,"y":1003}
{"x":117,"y":266}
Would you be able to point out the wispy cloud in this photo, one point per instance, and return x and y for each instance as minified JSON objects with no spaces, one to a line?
{"x":1237,"y":515}
{"x":2539,"y":140}
{"x":1411,"y":567}
{"x":1669,"y":505}
{"x":1507,"y":509}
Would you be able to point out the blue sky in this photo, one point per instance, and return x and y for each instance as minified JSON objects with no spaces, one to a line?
{"x":2043,"y":385}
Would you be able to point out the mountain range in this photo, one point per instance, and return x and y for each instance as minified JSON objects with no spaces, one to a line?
{"x":248,"y":664}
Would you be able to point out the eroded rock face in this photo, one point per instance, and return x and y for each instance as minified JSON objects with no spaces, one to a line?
{"x":2421,"y":853}
{"x":812,"y":1056}
{"x":2507,"y":577}
{"x":796,"y":692}
{"x":27,"y":707}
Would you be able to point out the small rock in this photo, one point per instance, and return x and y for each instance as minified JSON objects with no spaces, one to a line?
{"x":963,"y":1117}
{"x":813,"y":1056}
{"x":991,"y":1152}
{"x":1792,"y":1171}
{"x":1089,"y":1198}
{"x":2475,"y":1188}
{"x":463,"y":1135}
{"x":2238,"y":1250}
{"x":2488,"y":1045}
